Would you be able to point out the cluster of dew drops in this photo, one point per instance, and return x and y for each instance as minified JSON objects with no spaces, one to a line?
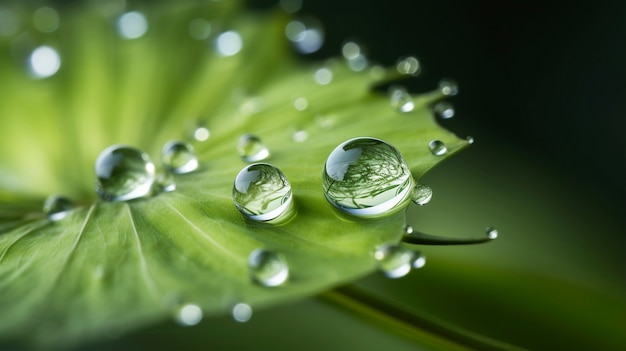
{"x":363,"y":177}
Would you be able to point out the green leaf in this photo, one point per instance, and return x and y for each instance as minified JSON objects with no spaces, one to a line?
{"x":111,"y":267}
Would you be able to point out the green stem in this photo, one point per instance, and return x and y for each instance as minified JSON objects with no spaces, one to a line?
{"x":416,"y":328}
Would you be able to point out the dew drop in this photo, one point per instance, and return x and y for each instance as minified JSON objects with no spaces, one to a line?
{"x":252,"y":149}
{"x":437,"y":147}
{"x":395,"y":261}
{"x":123,"y":173}
{"x":267,"y":268}
{"x":300,"y":136}
{"x":228,"y":43}
{"x":401,"y":100}
{"x":448,"y":87}
{"x":366,"y":177}
{"x":350,"y":50}
{"x":165,"y":182}
{"x":301,"y":104}
{"x":199,"y":28}
{"x":421,"y":195}
{"x":323,"y":76}
{"x":44,"y":62}
{"x":492,"y":233}
{"x":46,"y":19}
{"x":132,"y":25}
{"x":409,"y":66}
{"x":419,"y":260}
{"x":242,"y":312}
{"x":305,"y":34}
{"x":470,"y":139}
{"x":444,"y":110}
{"x":262,"y":193}
{"x":57,"y":207}
{"x":188,"y":315}
{"x":408,"y":229}
{"x":201,"y":134}
{"x":178,"y":157}
{"x":358,"y":64}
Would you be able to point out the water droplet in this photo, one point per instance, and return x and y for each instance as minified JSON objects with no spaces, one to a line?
{"x":178,"y":157}
{"x":291,"y":6}
{"x":165,"y":182}
{"x":395,"y":261}
{"x":470,"y":139}
{"x":46,"y":19}
{"x":419,"y":260}
{"x":400,"y":99}
{"x":437,"y":147}
{"x":251,"y":105}
{"x":201,"y":134}
{"x":44,"y":62}
{"x":366,"y":177}
{"x":132,"y":25}
{"x":448,"y":87}
{"x":350,"y":50}
{"x":267,"y":268}
{"x":408,"y":229}
{"x":301,"y":104}
{"x":324,"y":122}
{"x":242,"y":312}
{"x":252,"y":149}
{"x":300,"y":136}
{"x":421,"y":194}
{"x":57,"y":207}
{"x":188,"y":315}
{"x":492,"y":233}
{"x":199,"y":28}
{"x":262,"y":193}
{"x":305,"y":34}
{"x":409,"y":65}
{"x":444,"y":109}
{"x":323,"y":76}
{"x":358,"y":63}
{"x":228,"y":43}
{"x":123,"y":173}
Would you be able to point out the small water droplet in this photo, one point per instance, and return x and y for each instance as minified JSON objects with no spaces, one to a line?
{"x":470,"y":139}
{"x":252,"y":149}
{"x":201,"y":134}
{"x":267,"y":268}
{"x":419,"y":260}
{"x":323,"y":76}
{"x":444,"y":110}
{"x":300,"y":136}
{"x":306,"y":35}
{"x":324,"y":122}
{"x":165,"y":182}
{"x":262,"y":193}
{"x":437,"y":147}
{"x":366,"y":177}
{"x":301,"y":104}
{"x":358,"y":64}
{"x":178,"y":157}
{"x":421,"y":194}
{"x":229,"y":43}
{"x":132,"y":25}
{"x":492,"y":233}
{"x":409,"y":65}
{"x":44,"y":62}
{"x":199,"y":28}
{"x":350,"y":50}
{"x":123,"y":173}
{"x":400,"y":99}
{"x":448,"y":87}
{"x":242,"y":312}
{"x":57,"y":207}
{"x":46,"y":19}
{"x":251,"y":105}
{"x":188,"y":315}
{"x":408,"y":229}
{"x":395,"y":261}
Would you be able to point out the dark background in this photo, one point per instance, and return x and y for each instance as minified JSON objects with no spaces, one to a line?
{"x":548,"y":78}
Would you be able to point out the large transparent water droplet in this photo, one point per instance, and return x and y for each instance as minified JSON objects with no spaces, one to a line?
{"x":401,"y":100}
{"x":188,"y":315}
{"x":123,"y":173}
{"x":437,"y":147}
{"x":242,"y":312}
{"x":178,"y":157}
{"x":409,"y":66}
{"x":366,"y":177}
{"x":252,"y":149}
{"x":57,"y":207}
{"x":396,"y":261}
{"x":262,"y":193}
{"x":444,"y":110}
{"x":267,"y":268}
{"x":421,"y":194}
{"x":448,"y":87}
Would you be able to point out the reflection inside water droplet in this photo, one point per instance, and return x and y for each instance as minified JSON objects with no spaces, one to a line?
{"x":267,"y":268}
{"x":252,"y":149}
{"x":188,"y":315}
{"x":400,"y":99}
{"x":421,"y":194}
{"x":437,"y":147}
{"x":262,"y":193}
{"x":123,"y":173}
{"x":57,"y":207}
{"x":366,"y":177}
{"x":242,"y":312}
{"x":444,"y":110}
{"x":396,"y":261}
{"x":178,"y":157}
